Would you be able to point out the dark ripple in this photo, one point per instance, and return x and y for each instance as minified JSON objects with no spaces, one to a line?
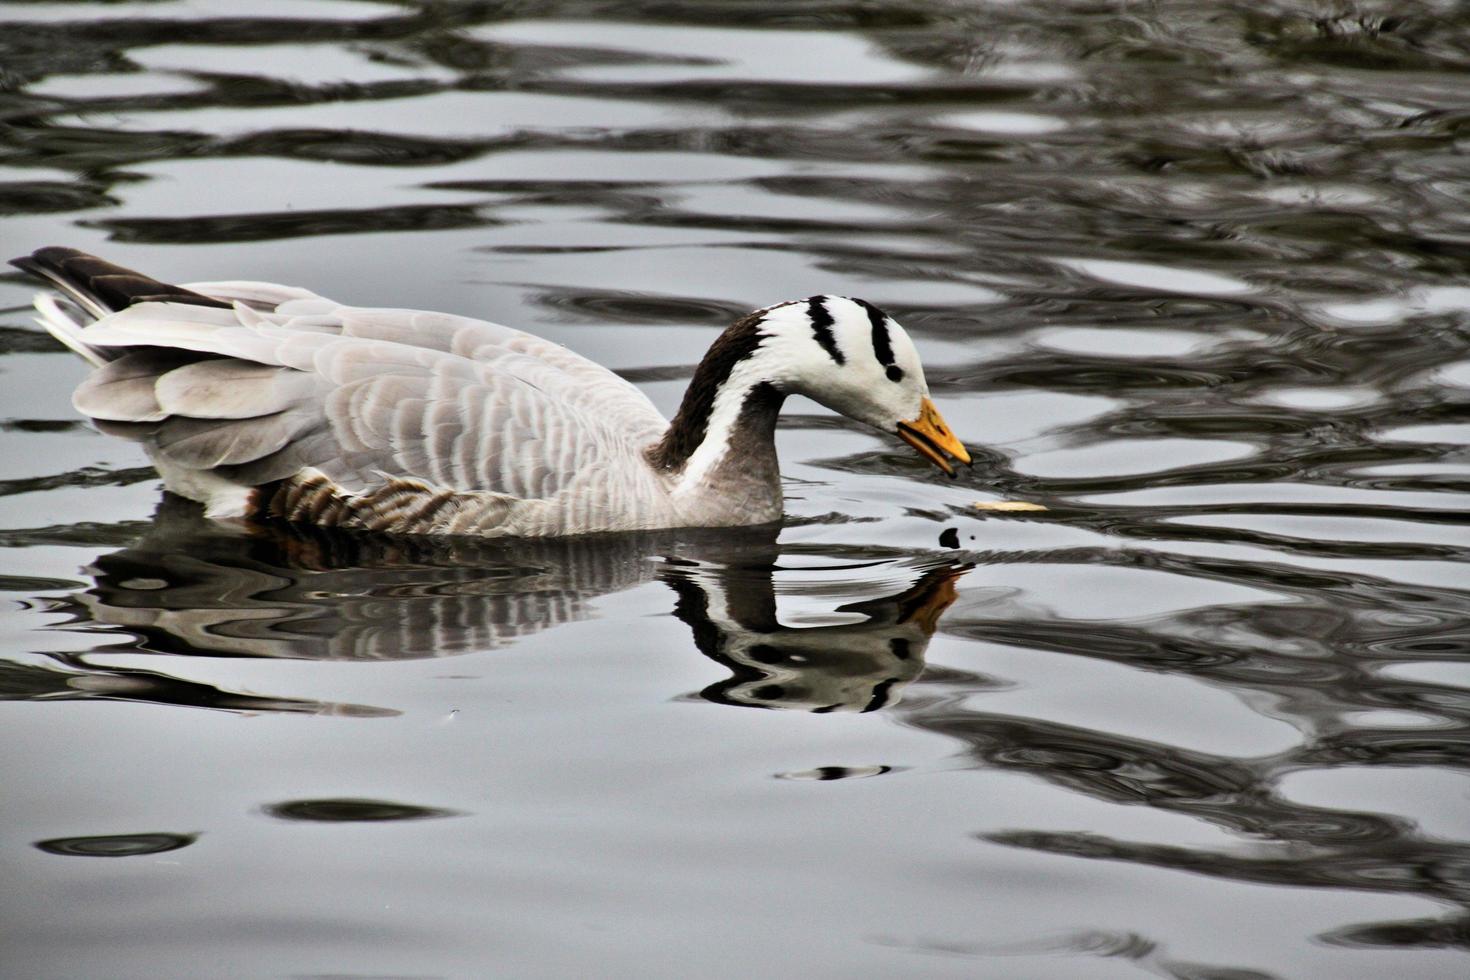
{"x":1355,"y":39}
{"x":29,"y":583}
{"x":1438,"y":748}
{"x":90,"y":476}
{"x":1093,"y":942}
{"x":622,"y":307}
{"x":294,"y":224}
{"x":117,"y":845}
{"x":352,"y":146}
{"x":1095,"y":375}
{"x":16,"y":340}
{"x":340,"y":810}
{"x":1448,"y":933}
{"x":1100,"y":764}
{"x":42,"y":425}
{"x":38,"y":196}
{"x":827,"y":774}
{"x":1431,"y":870}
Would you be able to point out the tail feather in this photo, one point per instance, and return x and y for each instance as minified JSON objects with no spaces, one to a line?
{"x":61,"y":326}
{"x":100,"y":287}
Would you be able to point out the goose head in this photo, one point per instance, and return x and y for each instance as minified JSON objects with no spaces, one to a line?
{"x":843,"y":353}
{"x":855,"y":359}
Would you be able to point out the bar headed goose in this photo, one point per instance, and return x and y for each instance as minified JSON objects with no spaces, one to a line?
{"x":268,"y":401}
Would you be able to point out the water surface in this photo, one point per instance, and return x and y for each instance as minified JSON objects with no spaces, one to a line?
{"x":1193,"y":277}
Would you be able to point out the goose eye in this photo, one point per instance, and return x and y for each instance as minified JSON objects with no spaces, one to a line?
{"x":895,"y":373}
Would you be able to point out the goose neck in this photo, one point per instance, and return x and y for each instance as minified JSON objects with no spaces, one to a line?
{"x":725,"y":426}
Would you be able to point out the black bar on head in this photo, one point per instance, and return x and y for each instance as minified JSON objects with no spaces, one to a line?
{"x":882,"y":346}
{"x":816,"y":310}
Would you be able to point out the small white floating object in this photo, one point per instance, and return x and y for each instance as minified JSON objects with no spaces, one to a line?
{"x":1007,"y":506}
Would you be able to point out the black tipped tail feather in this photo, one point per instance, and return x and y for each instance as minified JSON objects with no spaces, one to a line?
{"x":100,"y":287}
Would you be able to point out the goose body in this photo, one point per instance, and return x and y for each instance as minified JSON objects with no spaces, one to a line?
{"x":267,"y":401}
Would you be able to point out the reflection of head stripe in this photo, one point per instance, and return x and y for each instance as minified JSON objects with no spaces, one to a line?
{"x":821,"y":319}
{"x":882,"y":347}
{"x":881,"y":693}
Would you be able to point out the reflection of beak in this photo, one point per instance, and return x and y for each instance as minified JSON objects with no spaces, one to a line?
{"x":930,"y":597}
{"x":931,"y":437}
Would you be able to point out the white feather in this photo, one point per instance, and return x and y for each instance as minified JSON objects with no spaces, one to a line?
{"x":65,"y":329}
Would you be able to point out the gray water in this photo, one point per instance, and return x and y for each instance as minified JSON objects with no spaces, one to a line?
{"x":1194,"y":277}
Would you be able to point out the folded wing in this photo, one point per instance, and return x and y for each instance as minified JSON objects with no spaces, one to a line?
{"x":281,"y":384}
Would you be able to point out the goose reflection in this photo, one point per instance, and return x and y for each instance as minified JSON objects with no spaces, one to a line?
{"x":190,"y":587}
{"x":860,"y":666}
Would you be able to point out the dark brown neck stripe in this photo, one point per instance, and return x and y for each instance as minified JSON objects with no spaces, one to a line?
{"x":690,"y":425}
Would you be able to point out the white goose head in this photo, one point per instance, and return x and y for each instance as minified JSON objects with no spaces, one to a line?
{"x":855,"y":359}
{"x":844,"y":353}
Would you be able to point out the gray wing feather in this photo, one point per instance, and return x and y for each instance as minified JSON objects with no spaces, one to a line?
{"x":203,"y":444}
{"x":576,"y":380}
{"x":231,"y":389}
{"x":122,"y":390}
{"x":300,"y":453}
{"x":287,"y":381}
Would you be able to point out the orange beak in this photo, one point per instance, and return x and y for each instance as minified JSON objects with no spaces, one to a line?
{"x":932,"y":439}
